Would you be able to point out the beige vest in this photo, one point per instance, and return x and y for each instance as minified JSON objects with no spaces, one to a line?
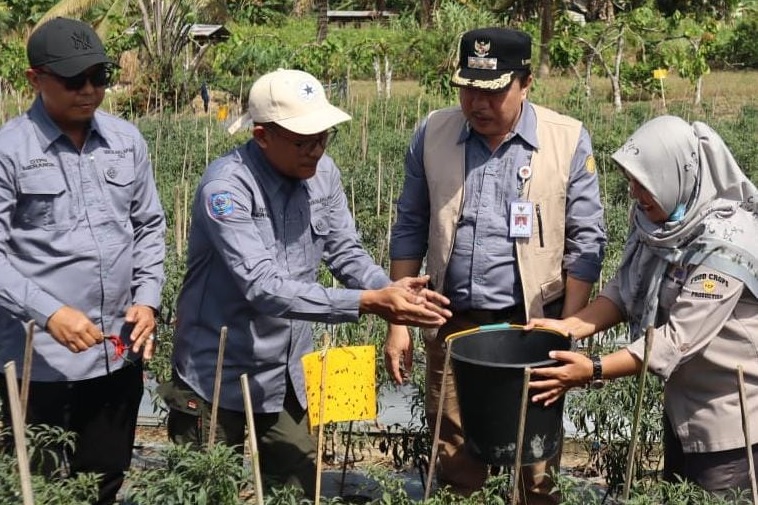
{"x":540,"y":265}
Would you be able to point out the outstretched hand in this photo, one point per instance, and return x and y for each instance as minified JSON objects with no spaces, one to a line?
{"x":558,"y":325}
{"x":407,"y":302}
{"x":554,"y":382}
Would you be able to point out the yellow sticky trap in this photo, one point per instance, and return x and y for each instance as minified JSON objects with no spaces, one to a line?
{"x":660,"y":73}
{"x":222,"y":113}
{"x":349,"y":385}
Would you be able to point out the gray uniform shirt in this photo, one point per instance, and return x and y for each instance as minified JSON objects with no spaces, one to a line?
{"x":84,"y":229}
{"x":482,"y":272}
{"x":255,"y":246}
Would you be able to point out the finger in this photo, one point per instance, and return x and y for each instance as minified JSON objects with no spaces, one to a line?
{"x":149,"y":347}
{"x":435,"y":297}
{"x":391,"y":363}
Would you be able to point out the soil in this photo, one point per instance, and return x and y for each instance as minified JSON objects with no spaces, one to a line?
{"x":574,"y":460}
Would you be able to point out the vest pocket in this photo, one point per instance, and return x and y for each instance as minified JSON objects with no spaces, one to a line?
{"x":552,"y":289}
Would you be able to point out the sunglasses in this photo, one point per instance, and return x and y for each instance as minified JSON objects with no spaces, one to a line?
{"x":99,"y":77}
{"x":305,"y":144}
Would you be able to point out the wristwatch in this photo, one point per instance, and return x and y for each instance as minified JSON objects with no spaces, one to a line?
{"x":596,"y":382}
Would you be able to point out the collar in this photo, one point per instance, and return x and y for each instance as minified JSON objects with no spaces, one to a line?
{"x":526,"y":127}
{"x":270,"y":178}
{"x":47,"y":130}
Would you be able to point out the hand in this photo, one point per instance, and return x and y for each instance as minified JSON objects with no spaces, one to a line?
{"x":558,"y":325}
{"x":431,"y":299}
{"x":143,"y":333}
{"x":575,"y":371}
{"x":72,"y":329}
{"x":400,"y":306}
{"x":398,"y":353}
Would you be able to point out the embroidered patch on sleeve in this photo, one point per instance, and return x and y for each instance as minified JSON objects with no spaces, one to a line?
{"x":221,"y":204}
{"x":590,"y":164}
{"x":709,"y":285}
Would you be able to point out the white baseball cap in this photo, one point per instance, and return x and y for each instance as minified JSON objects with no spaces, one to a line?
{"x":294,"y":100}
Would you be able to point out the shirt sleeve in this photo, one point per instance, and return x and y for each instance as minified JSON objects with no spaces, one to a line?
{"x":585,"y":230}
{"x":704,"y":305}
{"x":149,"y":226}
{"x":343,"y":253}
{"x":19,"y":295}
{"x":409,"y":238}
{"x":223,"y":209}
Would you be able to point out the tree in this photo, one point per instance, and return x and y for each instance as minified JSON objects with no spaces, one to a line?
{"x":322,"y":20}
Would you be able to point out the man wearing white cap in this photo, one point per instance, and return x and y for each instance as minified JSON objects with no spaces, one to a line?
{"x":265,"y":216}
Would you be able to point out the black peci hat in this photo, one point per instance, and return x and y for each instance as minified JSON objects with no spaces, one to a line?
{"x":487,"y":58}
{"x":66,"y":47}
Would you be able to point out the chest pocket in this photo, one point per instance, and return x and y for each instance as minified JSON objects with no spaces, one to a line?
{"x":320,"y":229}
{"x":43,"y":201}
{"x":119,"y":178}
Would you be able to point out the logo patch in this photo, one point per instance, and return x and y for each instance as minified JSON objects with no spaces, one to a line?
{"x":709,"y":286}
{"x":221,"y":204}
{"x":307,"y":91}
{"x":590,"y":164}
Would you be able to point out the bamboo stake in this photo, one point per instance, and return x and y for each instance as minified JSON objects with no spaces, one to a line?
{"x":19,"y":433}
{"x":322,"y":403}
{"x":352,"y":196}
{"x":437,"y":424}
{"x":746,"y":432}
{"x":217,"y":386}
{"x":252,"y":440}
{"x":178,"y":220}
{"x":207,"y":145}
{"x":185,"y":212}
{"x":379,"y":185}
{"x":649,"y":333}
{"x":520,"y":434}
{"x":26,"y":371}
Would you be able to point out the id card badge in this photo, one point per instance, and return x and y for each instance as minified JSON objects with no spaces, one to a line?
{"x":522,"y":219}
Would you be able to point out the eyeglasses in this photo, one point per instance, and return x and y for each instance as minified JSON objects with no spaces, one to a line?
{"x":99,"y":77}
{"x":304,"y":144}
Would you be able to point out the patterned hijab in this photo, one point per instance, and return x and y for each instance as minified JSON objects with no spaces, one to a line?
{"x":712,"y":208}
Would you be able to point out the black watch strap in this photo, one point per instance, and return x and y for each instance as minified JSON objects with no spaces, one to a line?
{"x":597,"y":368}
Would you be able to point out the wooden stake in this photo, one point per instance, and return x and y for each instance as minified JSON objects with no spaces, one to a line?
{"x":252,"y":440}
{"x":178,"y":239}
{"x":520,"y":434}
{"x":26,"y":371}
{"x":19,"y":433}
{"x":649,"y":334}
{"x":437,"y":424}
{"x":217,"y":387}
{"x":322,"y":404}
{"x":746,"y":432}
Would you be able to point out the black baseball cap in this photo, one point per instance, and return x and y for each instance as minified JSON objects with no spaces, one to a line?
{"x":66,"y":47}
{"x":487,"y":58}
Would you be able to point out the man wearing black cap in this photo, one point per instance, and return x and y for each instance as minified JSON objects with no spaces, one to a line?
{"x":501,"y":198}
{"x":81,"y":252}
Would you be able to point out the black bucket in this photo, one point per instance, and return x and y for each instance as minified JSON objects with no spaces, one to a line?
{"x":488,"y":366}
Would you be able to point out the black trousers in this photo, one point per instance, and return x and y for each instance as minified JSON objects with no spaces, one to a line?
{"x":102,"y":412}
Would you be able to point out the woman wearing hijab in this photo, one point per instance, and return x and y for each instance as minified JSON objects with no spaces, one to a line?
{"x":689,"y":270}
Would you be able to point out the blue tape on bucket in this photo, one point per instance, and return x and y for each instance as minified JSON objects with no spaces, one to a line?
{"x":498,"y":326}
